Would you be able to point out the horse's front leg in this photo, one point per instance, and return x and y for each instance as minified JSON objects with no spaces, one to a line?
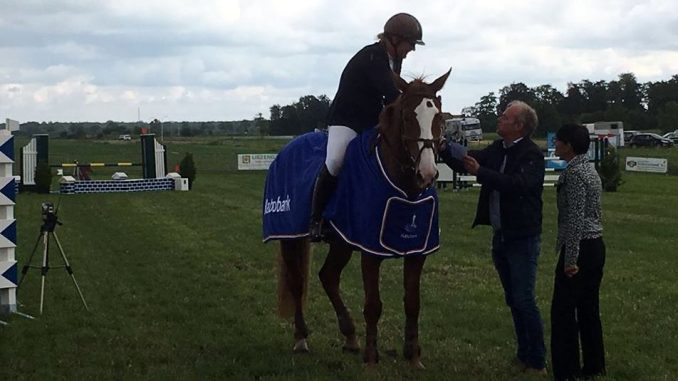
{"x":372,"y":307}
{"x":412,"y":276}
{"x":330,"y":276}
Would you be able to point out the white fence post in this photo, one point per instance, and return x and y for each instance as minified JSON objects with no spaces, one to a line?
{"x":159,"y":160}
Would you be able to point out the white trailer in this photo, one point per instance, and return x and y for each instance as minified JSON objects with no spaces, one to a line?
{"x":613,"y":131}
{"x":467,"y":128}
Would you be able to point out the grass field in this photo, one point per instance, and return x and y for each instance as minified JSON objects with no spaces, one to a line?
{"x":180,"y":286}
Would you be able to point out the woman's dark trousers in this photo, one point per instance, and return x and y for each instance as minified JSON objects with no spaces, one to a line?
{"x":575,"y":315}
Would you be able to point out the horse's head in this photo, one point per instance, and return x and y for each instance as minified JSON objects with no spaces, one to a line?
{"x":414,"y":124}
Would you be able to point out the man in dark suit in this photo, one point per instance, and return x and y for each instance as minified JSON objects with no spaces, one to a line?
{"x":511,"y":172}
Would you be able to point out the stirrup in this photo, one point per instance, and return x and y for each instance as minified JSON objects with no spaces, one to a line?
{"x":316,"y":231}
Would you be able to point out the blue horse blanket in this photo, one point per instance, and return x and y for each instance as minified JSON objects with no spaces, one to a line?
{"x":367,"y":210}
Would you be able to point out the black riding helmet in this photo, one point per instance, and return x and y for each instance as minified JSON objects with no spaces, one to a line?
{"x":405,"y":26}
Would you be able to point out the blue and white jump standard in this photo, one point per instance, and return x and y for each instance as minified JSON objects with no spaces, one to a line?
{"x":8,"y":264}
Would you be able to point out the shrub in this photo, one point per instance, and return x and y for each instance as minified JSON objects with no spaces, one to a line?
{"x":187,"y":169}
{"x":609,"y":171}
{"x":43,"y":177}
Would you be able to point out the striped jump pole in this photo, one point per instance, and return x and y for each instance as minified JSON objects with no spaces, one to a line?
{"x":82,"y":165}
{"x":79,"y":168}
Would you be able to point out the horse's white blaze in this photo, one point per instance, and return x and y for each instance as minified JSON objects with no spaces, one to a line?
{"x":426,"y":111}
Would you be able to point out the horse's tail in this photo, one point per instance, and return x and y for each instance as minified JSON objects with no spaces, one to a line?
{"x":293,"y":273}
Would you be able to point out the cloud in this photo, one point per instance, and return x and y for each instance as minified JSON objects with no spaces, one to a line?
{"x":230,"y":59}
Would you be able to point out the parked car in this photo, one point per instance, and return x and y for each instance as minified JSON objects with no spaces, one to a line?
{"x":629,"y":134}
{"x":649,"y":140}
{"x":124,"y":137}
{"x":671,"y":135}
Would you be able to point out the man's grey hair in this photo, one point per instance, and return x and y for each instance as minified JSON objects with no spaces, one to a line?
{"x":527,"y":117}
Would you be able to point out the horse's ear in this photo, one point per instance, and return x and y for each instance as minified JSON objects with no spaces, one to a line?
{"x":440,"y":82}
{"x":400,"y":83}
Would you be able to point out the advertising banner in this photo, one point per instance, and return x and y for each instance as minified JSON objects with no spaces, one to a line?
{"x":646,"y":164}
{"x":255,"y":161}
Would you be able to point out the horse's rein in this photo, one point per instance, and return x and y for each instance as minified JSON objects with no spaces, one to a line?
{"x":413,"y":161}
{"x":427,"y":143}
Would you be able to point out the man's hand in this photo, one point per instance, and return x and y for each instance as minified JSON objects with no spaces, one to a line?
{"x":571,"y":271}
{"x":442,"y":145}
{"x":471,"y":165}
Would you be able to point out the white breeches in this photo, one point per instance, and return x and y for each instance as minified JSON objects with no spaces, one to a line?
{"x":337,"y":141}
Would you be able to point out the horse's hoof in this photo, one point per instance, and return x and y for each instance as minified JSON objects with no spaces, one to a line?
{"x":300,"y":346}
{"x":351,"y":346}
{"x":416,"y":364}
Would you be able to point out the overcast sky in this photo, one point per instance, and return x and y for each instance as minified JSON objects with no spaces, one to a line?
{"x":81,"y":60}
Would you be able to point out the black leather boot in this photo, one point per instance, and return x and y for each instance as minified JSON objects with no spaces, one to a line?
{"x":325,"y":184}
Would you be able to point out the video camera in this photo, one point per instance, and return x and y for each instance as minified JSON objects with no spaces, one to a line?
{"x":49,"y":217}
{"x":47,"y":209}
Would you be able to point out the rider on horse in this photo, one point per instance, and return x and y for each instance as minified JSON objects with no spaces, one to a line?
{"x":366,"y":86}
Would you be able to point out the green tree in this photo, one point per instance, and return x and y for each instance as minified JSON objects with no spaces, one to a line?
{"x":486,"y":111}
{"x":204,"y":129}
{"x":610,"y":171}
{"x":186,"y":130}
{"x":113,"y":128}
{"x":660,"y":93}
{"x":262,"y":125}
{"x":308,"y":113}
{"x":547,"y":99}
{"x":514,"y":92}
{"x":43,"y":177}
{"x":668,"y":117}
{"x":549,"y":118}
{"x":187,"y":169}
{"x":631,"y":91}
{"x":77,"y":131}
{"x":595,"y":95}
{"x":572,"y":104}
{"x":617,"y":112}
{"x":155,"y":126}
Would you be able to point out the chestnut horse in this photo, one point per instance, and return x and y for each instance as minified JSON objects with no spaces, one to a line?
{"x":409,"y":132}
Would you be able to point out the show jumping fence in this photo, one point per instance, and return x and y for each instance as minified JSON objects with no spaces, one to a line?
{"x":153,"y":164}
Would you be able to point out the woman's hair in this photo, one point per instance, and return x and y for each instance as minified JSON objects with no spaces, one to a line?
{"x":577,"y":136}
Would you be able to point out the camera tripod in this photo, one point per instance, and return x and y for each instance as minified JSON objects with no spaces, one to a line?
{"x":47,"y":230}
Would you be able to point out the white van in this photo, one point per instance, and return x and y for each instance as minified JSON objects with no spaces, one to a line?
{"x":124,"y":137}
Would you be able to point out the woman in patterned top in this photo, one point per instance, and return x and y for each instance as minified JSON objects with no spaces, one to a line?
{"x":575,"y":312}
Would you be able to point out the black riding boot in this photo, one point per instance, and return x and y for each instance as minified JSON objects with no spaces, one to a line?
{"x":325,"y":184}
